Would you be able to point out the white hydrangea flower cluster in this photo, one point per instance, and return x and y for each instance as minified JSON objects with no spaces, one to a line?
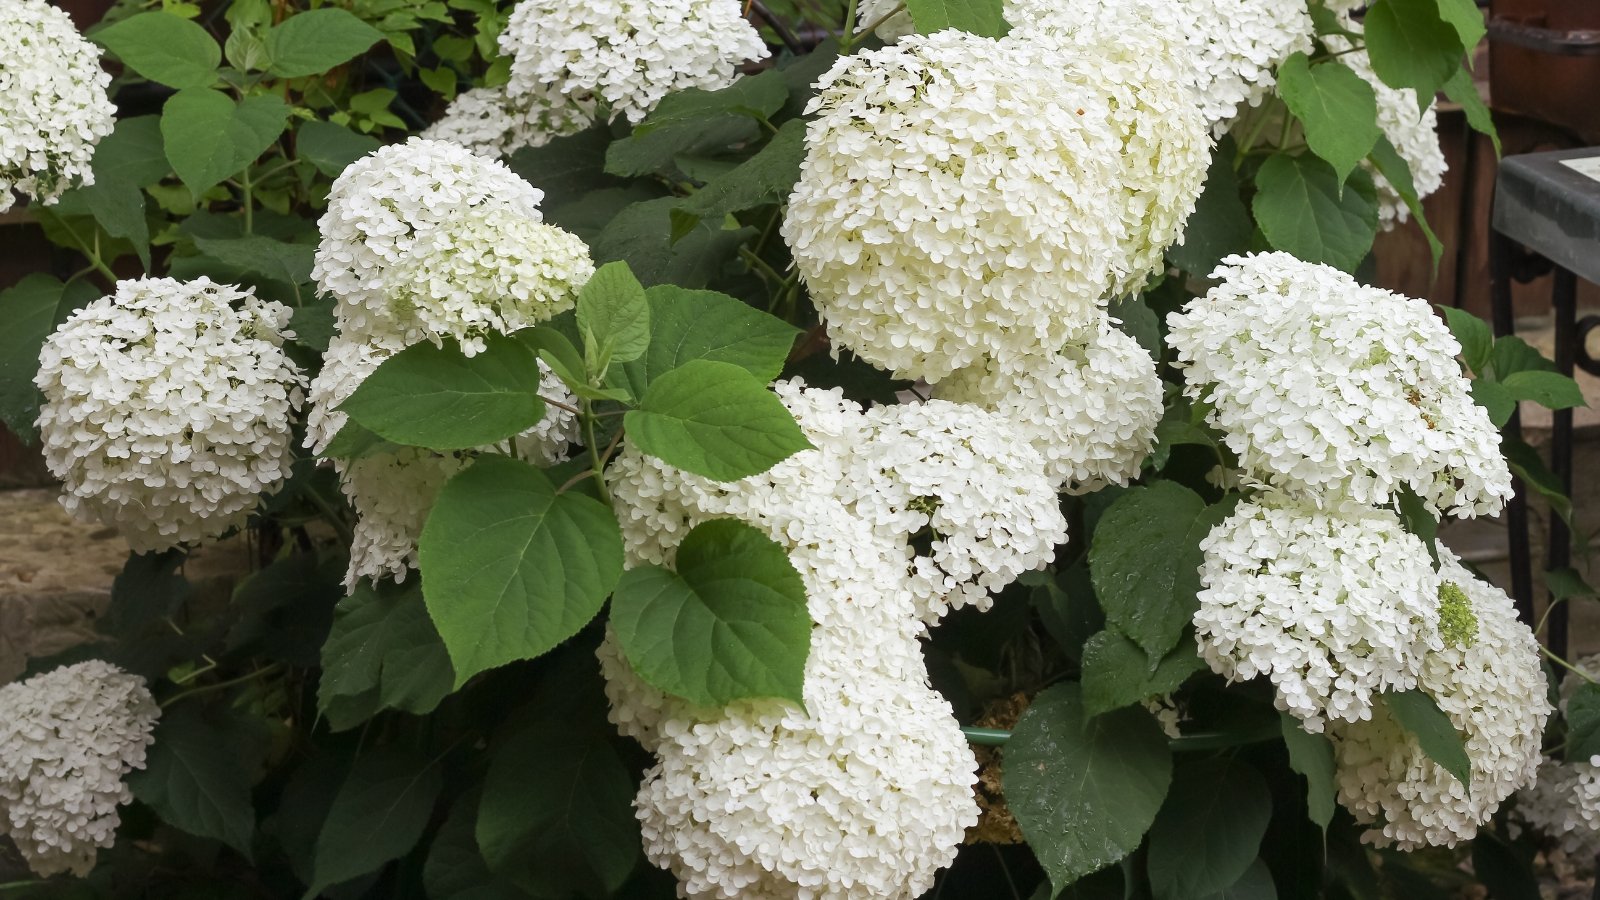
{"x":1493,"y":689}
{"x":572,"y":63}
{"x":1320,"y":384}
{"x":952,"y":206}
{"x":67,"y":739}
{"x":1090,"y":410}
{"x":868,"y":791}
{"x":1333,"y":605}
{"x":424,"y":241}
{"x":167,"y":408}
{"x":1415,"y":135}
{"x":1232,"y":48}
{"x":1563,"y":804}
{"x":53,"y":103}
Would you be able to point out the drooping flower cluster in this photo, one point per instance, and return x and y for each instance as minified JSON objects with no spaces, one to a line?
{"x":868,"y":790}
{"x":167,"y":408}
{"x":1320,"y":384}
{"x":1494,"y":692}
{"x":574,"y":62}
{"x":53,"y":103}
{"x":1334,"y":605}
{"x":1563,"y":804}
{"x":67,"y":739}
{"x":424,"y":241}
{"x":1090,"y":410}
{"x":936,"y":223}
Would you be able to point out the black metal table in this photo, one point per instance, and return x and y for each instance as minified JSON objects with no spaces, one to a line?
{"x":1546,"y":219}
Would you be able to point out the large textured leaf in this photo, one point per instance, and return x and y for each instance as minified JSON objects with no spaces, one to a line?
{"x":729,"y":623}
{"x":1583,"y":722}
{"x":1209,"y":829}
{"x":1220,"y":224}
{"x":1412,"y":46}
{"x":378,"y":815}
{"x":1145,"y":560}
{"x":714,"y":419}
{"x":557,"y":812}
{"x":164,"y":47}
{"x":315,"y":41}
{"x":455,"y":870}
{"x":981,"y":17}
{"x":1117,"y":672}
{"x":440,"y":398}
{"x":1312,"y":756}
{"x":197,"y":777}
{"x":209,"y":137}
{"x":1301,"y":208}
{"x":382,"y":653}
{"x":1338,"y":110}
{"x":263,"y":256}
{"x":1084,"y":790}
{"x":510,"y":568}
{"x":331,"y":147}
{"x":31,"y":309}
{"x":641,"y":234}
{"x":686,"y":325}
{"x":766,"y":177}
{"x":613,"y":317}
{"x":1420,"y":714}
{"x":692,"y":119}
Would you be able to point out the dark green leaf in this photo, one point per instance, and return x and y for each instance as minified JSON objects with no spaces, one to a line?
{"x":314,"y":325}
{"x":1506,"y":872}
{"x":1312,"y":756}
{"x":1255,"y":884}
{"x":1116,"y":672}
{"x":1068,"y":609}
{"x":1084,"y":790}
{"x":383,"y":652}
{"x":1465,"y":18}
{"x":1145,"y":559}
{"x":766,"y":177}
{"x":613,"y":318}
{"x":1473,"y":334}
{"x":331,"y":147}
{"x":132,"y":154}
{"x":286,"y":608}
{"x":729,"y":623}
{"x":1495,"y":399}
{"x":1301,"y":208}
{"x":1410,"y":46}
{"x":1583,"y":723}
{"x":149,"y":588}
{"x":314,"y":41}
{"x":1416,"y":518}
{"x":567,"y":168}
{"x":510,"y":568}
{"x":1512,"y":354}
{"x":164,"y":47}
{"x":1461,"y":90}
{"x":641,"y":234}
{"x":1209,"y":829}
{"x":1338,"y":110}
{"x":1220,"y":224}
{"x":1392,"y":166}
{"x":378,"y":815}
{"x":208,"y":137}
{"x":263,"y":256}
{"x":197,"y":777}
{"x":1548,"y":389}
{"x":118,"y":208}
{"x":557,"y":813}
{"x":1419,"y":714}
{"x":980,"y":17}
{"x":1566,"y":584}
{"x":455,"y":870}
{"x":1527,"y":465}
{"x":440,"y":398}
{"x":1136,"y":319}
{"x":687,"y":325}
{"x":31,"y":309}
{"x":694,"y":119}
{"x":714,"y":419}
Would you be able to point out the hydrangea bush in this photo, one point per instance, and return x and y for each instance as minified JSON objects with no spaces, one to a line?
{"x":771,"y":450}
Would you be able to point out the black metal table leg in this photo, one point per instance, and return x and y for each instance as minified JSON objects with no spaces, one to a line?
{"x":1563,"y":300}
{"x":1501,"y":254}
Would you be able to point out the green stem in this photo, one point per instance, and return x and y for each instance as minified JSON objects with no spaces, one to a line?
{"x":1568,"y":666}
{"x":92,"y":251}
{"x":986,"y":737}
{"x":1250,"y":138}
{"x":13,"y":885}
{"x":249,"y":204}
{"x":206,"y":689}
{"x":873,"y":25}
{"x":848,"y":39}
{"x":346,"y":535}
{"x":597,"y":462}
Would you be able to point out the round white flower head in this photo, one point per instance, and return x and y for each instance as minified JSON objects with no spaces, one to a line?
{"x":1321,"y":384}
{"x":1488,"y":680}
{"x":1230,"y":48}
{"x":424,"y":241}
{"x":574,"y":61}
{"x":67,"y":739}
{"x":1563,"y":804}
{"x":1333,"y":605}
{"x":965,"y":484}
{"x":1414,"y":134}
{"x":1090,"y":410}
{"x":53,"y":103}
{"x":393,"y":492}
{"x":167,"y":408}
{"x":959,"y":198}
